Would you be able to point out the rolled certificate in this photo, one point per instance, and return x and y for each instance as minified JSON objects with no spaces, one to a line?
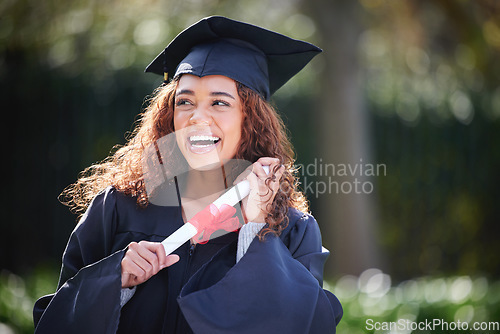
{"x":189,"y":230}
{"x":236,"y":193}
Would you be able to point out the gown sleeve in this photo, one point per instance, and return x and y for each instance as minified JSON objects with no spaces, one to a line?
{"x":88,"y":296}
{"x":276,"y":287}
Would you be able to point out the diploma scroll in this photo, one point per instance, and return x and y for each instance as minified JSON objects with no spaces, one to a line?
{"x":189,"y":229}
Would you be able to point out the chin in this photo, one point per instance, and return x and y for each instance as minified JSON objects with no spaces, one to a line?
{"x":204,"y":167}
{"x":203,"y":162}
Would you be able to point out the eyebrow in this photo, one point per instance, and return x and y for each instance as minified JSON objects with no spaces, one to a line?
{"x":222,"y":94}
{"x":184,"y":91}
{"x":190,"y":92}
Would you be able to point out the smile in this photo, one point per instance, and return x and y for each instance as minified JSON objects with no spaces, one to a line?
{"x":203,"y":141}
{"x":201,"y":144}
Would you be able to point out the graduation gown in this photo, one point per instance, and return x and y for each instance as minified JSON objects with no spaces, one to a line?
{"x":276,"y":287}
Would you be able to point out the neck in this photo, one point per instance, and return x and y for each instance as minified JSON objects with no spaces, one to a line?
{"x":207,"y":185}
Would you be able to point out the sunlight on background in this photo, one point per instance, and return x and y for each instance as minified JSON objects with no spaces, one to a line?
{"x":371,"y":296}
{"x":72,"y":76}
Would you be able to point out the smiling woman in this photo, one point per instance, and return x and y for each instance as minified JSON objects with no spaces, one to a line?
{"x":116,"y":276}
{"x":208,"y":118}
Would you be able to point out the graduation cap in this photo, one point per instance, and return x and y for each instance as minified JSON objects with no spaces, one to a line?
{"x":260,"y":59}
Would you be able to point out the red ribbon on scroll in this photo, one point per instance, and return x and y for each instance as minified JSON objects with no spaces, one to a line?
{"x":212,"y":219}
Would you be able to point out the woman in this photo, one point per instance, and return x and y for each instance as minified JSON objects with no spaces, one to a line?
{"x":264,"y":278}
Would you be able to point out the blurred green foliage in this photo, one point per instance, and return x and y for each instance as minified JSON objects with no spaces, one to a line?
{"x":372,"y":301}
{"x":430,"y":77}
{"x":368,"y":299}
{"x":18,"y":294}
{"x":71,"y":85}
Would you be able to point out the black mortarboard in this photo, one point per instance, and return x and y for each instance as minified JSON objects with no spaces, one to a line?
{"x":260,"y":59}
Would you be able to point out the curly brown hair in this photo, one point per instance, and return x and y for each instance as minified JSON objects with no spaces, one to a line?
{"x":263,"y":135}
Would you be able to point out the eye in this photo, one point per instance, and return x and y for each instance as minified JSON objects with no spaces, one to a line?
{"x":220,"y":103}
{"x":182,"y":102}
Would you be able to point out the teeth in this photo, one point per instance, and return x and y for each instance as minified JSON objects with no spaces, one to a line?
{"x":202,"y":141}
{"x":199,"y":138}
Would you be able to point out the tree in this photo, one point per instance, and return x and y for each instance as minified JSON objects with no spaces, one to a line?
{"x":348,"y":219}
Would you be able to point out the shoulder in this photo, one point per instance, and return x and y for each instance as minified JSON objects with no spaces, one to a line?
{"x":295,"y":216}
{"x":111,"y":195}
{"x":104,"y":207}
{"x":298,"y":220}
{"x":302,"y":229}
{"x":108,"y":199}
{"x":104,"y":201}
{"x":104,"y":196}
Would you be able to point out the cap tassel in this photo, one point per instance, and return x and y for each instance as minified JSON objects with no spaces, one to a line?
{"x":165,"y":76}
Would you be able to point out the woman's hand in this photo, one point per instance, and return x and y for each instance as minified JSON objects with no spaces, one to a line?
{"x":258,"y":203}
{"x":143,"y":260}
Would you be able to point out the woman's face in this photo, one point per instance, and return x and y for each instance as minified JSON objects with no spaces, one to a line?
{"x":207,"y":119}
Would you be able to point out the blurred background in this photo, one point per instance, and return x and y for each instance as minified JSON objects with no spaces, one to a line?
{"x":409,"y":86}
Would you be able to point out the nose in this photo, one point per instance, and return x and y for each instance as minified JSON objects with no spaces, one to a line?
{"x":200,"y":116}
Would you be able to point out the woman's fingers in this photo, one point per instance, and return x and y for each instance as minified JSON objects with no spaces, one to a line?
{"x":274,"y":165}
{"x":171,"y":259}
{"x":276,"y":170}
{"x":268,"y":161}
{"x":263,"y":188}
{"x":257,"y":168}
{"x":149,"y":257}
{"x":140,"y":262}
{"x":277,"y":177}
{"x":156,"y":253}
{"x":143,"y":260}
{"x":131,"y":272}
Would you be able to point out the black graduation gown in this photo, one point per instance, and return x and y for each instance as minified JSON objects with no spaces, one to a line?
{"x":275,"y":288}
